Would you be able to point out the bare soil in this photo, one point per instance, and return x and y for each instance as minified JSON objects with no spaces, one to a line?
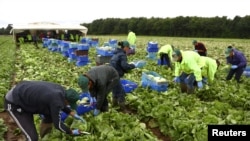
{"x":13,"y":133}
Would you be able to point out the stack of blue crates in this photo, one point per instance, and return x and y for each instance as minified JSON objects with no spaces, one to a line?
{"x":45,"y":42}
{"x":148,"y":81}
{"x":52,"y":45}
{"x":72,"y":49}
{"x":86,"y":40}
{"x":94,"y":42}
{"x":82,"y":59}
{"x":64,"y":48}
{"x":152,"y":50}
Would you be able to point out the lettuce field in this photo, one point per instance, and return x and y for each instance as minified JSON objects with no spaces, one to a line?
{"x":154,"y":115}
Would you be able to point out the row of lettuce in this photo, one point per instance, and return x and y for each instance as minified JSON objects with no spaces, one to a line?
{"x":42,"y":64}
{"x":180,"y":116}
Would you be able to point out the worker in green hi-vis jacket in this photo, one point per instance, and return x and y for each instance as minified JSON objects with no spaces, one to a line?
{"x":132,"y":40}
{"x":165,"y":52}
{"x":209,"y":66}
{"x":187,"y":70}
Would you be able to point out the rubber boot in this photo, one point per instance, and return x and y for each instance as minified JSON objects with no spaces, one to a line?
{"x":183,"y":87}
{"x":45,"y":128}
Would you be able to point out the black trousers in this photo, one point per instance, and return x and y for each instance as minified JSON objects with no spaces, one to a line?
{"x":24,"y":120}
{"x":237,"y":72}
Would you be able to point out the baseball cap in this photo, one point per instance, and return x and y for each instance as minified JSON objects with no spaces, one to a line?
{"x":228,"y":50}
{"x":126,"y":44}
{"x":72,"y":96}
{"x":83,"y":82}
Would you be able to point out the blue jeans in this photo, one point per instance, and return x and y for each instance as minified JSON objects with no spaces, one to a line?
{"x":188,"y":79}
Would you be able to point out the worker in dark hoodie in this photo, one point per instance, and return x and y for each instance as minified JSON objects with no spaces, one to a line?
{"x":120,"y":62}
{"x":45,"y":98}
{"x":99,"y":81}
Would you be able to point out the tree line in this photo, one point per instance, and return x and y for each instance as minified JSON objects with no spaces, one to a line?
{"x":216,"y":27}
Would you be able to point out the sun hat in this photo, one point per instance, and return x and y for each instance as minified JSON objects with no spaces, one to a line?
{"x":72,"y":96}
{"x":83,"y":82}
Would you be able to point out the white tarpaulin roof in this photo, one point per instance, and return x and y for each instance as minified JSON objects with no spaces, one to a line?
{"x":47,"y":26}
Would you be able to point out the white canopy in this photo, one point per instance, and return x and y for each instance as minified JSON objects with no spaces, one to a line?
{"x":47,"y":26}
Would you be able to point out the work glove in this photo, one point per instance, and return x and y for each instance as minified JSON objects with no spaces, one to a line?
{"x":139,"y":64}
{"x":96,"y":112}
{"x":176,"y":79}
{"x":76,"y":116}
{"x":199,"y":84}
{"x":234,"y":67}
{"x":76,"y":132}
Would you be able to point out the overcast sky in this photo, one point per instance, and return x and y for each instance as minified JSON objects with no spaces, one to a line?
{"x":82,"y":11}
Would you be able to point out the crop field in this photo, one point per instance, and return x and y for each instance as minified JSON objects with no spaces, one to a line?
{"x":154,"y":115}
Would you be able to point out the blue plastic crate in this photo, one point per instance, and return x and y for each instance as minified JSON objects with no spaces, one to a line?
{"x":151,"y":83}
{"x":81,"y":63}
{"x":84,"y":58}
{"x":152,"y":44}
{"x":152,"y":55}
{"x":85,"y":40}
{"x":150,"y":49}
{"x":128,"y":86}
{"x":65,"y":53}
{"x":72,"y":56}
{"x":91,"y":105}
{"x":73,"y":45}
{"x":94,"y":44}
{"x":105,"y":52}
{"x":113,"y":43}
{"x":83,"y":47}
{"x":159,"y":88}
{"x":72,"y":50}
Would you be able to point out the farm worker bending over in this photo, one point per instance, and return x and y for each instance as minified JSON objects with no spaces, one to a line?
{"x":39,"y":97}
{"x":208,"y":68}
{"x":99,"y":81}
{"x":238,"y":63}
{"x":165,"y":52}
{"x":200,"y":48}
{"x":119,"y":61}
{"x":187,"y":70}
